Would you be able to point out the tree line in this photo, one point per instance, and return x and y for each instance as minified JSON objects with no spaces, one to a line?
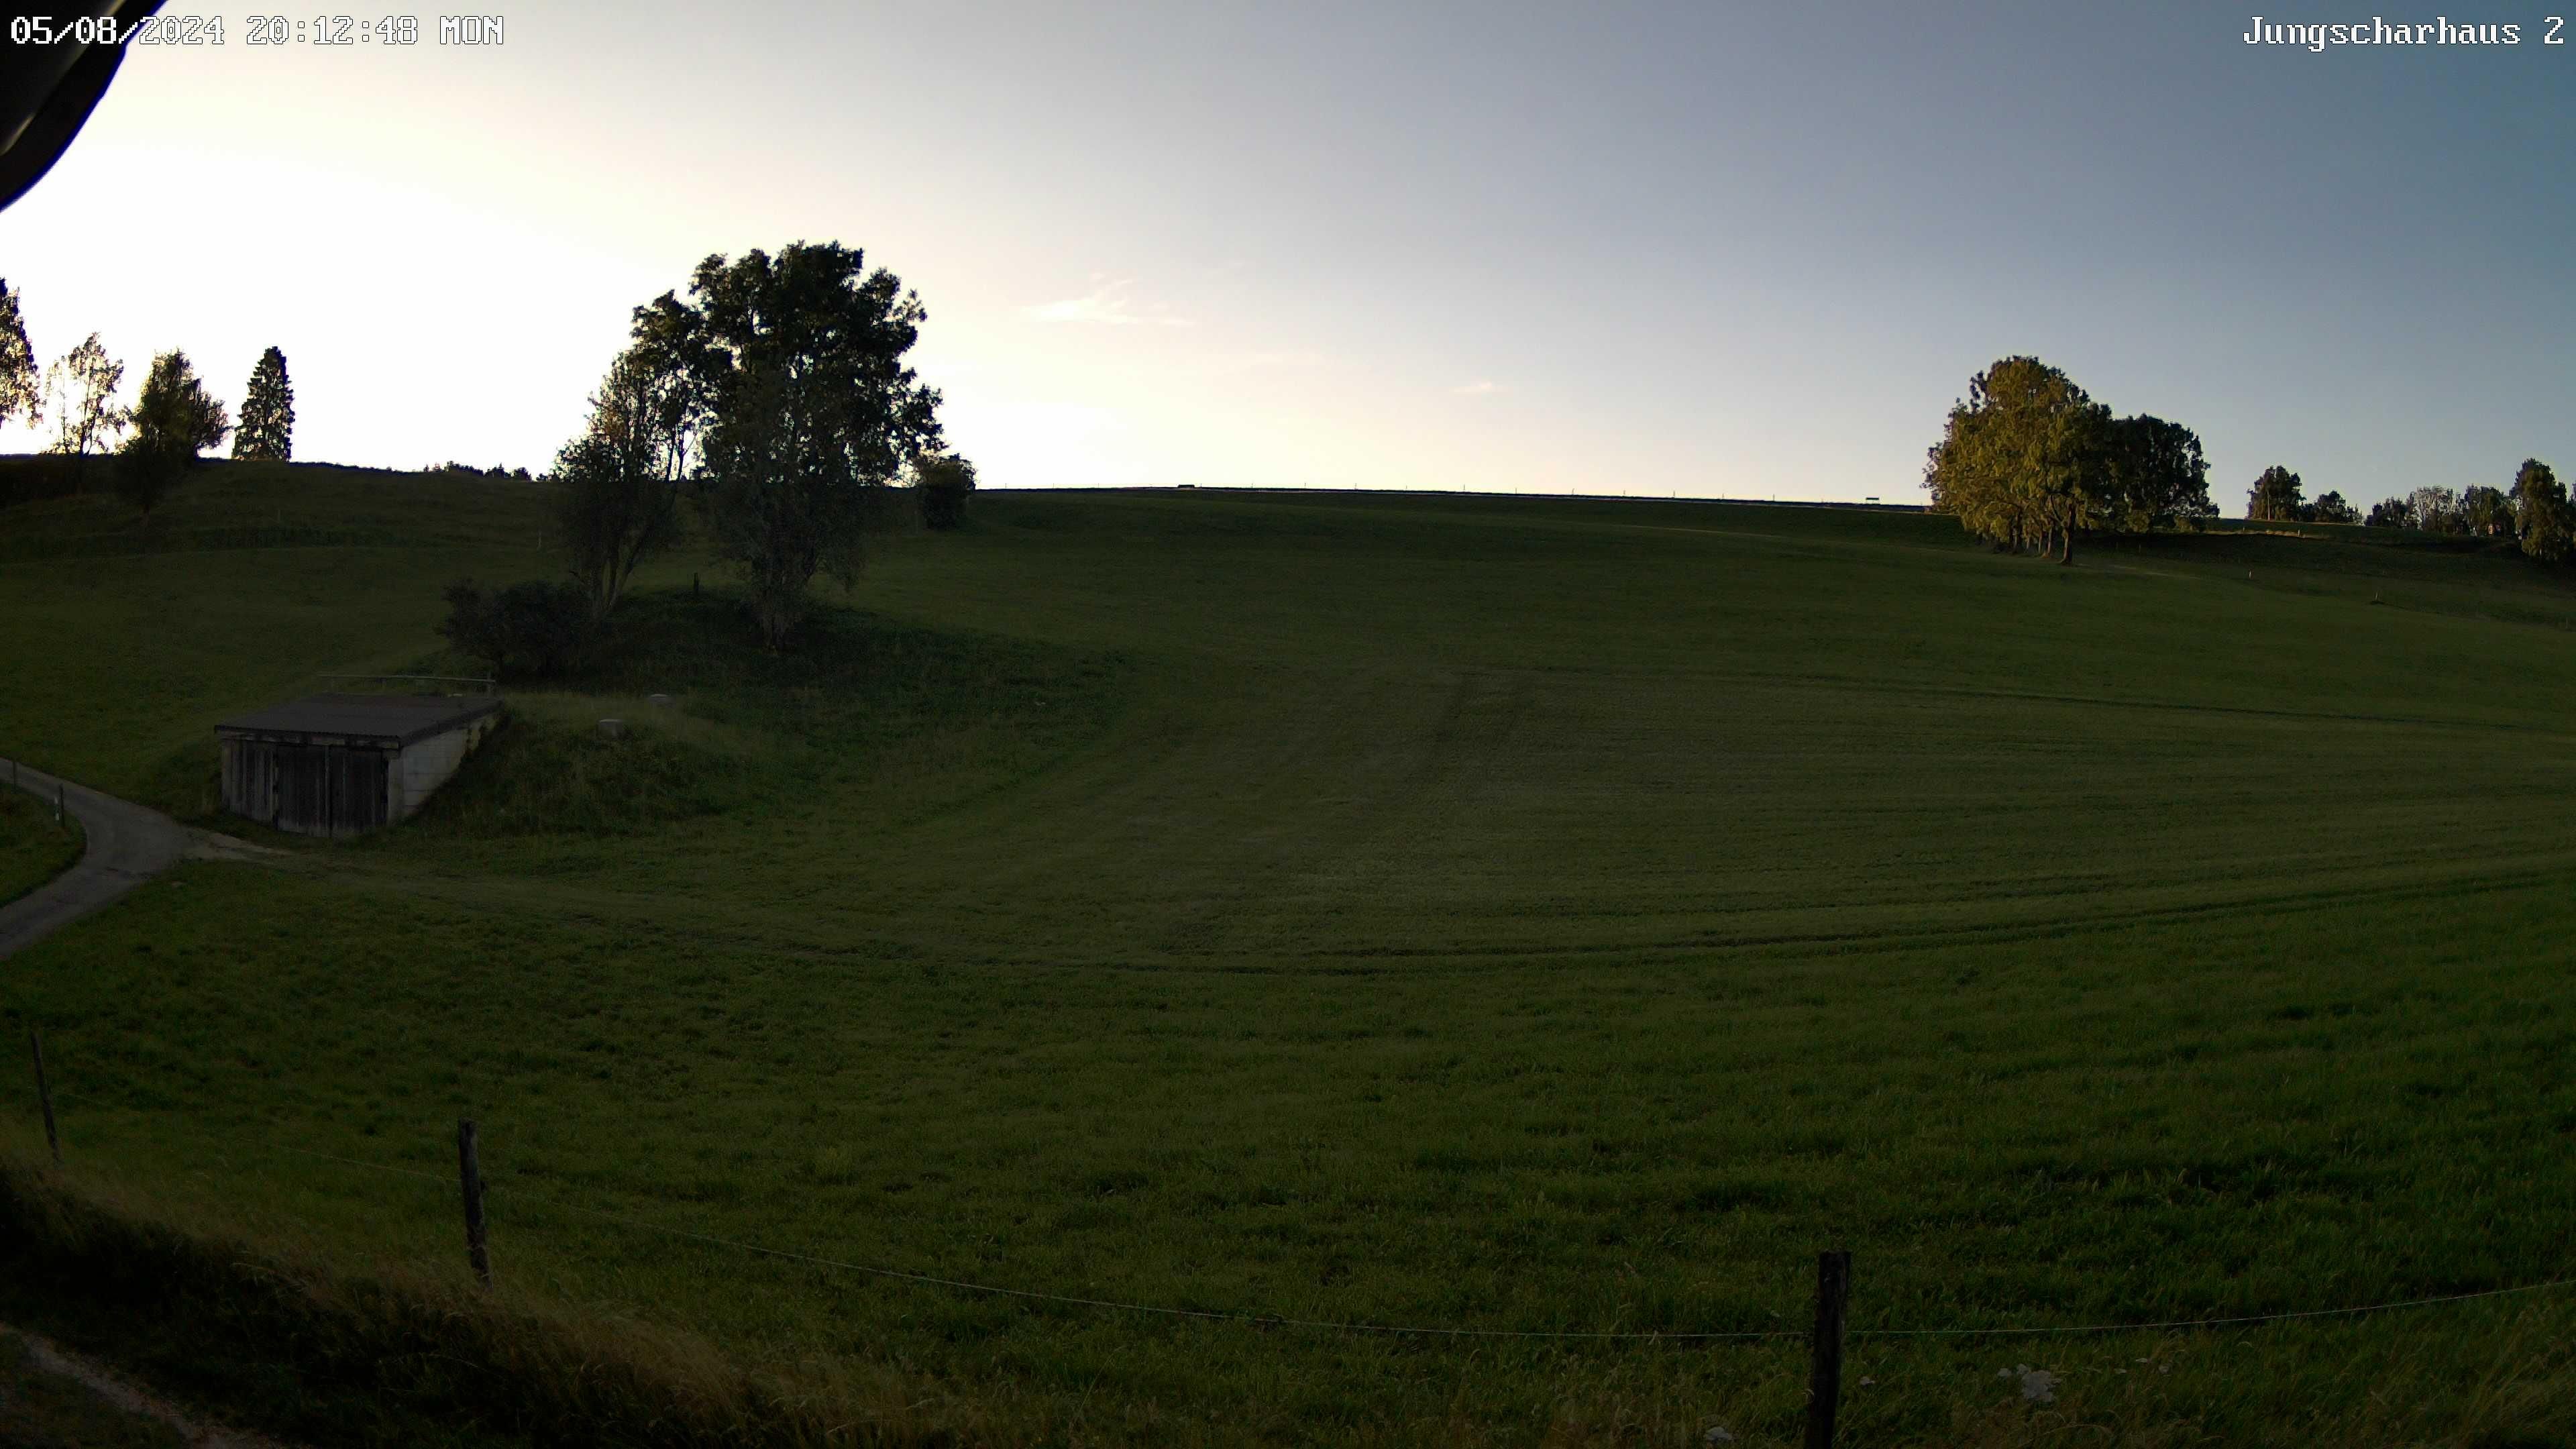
{"x":157,"y":438}
{"x":2532,"y":511}
{"x":2279,"y":496}
{"x":2029,"y":461}
{"x":772,"y":407}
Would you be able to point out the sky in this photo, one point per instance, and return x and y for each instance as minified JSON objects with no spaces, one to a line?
{"x":1698,"y":249}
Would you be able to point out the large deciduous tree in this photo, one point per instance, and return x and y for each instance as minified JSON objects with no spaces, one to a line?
{"x":20,"y":395}
{"x":2331,"y":507}
{"x":2155,"y":475}
{"x":267,"y":430}
{"x":175,"y":419}
{"x":810,"y":411}
{"x":2486,"y":512}
{"x":2274,"y":496}
{"x":2436,"y":510}
{"x":2541,"y":513}
{"x":621,"y":479}
{"x":82,"y":386}
{"x":2023,"y":459}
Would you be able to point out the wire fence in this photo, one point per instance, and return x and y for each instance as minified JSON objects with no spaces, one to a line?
{"x":485,"y":680}
{"x":509,"y":1188}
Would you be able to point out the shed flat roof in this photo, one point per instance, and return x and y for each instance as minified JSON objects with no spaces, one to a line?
{"x":402,"y":718}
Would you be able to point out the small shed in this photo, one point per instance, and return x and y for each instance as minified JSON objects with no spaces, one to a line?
{"x":345,"y":764}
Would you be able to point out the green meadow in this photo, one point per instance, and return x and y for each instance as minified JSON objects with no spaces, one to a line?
{"x":1538,"y":918}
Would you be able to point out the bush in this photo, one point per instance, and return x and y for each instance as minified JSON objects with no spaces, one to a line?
{"x":943,"y":480}
{"x":30,"y":479}
{"x":537,"y":628}
{"x":145,"y":473}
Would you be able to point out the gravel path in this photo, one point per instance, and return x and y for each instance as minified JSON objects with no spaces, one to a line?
{"x":128,"y":845}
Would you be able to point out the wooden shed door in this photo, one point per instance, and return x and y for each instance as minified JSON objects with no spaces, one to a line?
{"x":329,"y":789}
{"x":250,"y":779}
{"x":303,"y":791}
{"x":357,"y":789}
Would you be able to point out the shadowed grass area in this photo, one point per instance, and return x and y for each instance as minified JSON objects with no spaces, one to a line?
{"x":390,"y":1359}
{"x":34,"y":847}
{"x":1510,"y":915}
{"x":550,"y":771}
{"x":42,"y":1410}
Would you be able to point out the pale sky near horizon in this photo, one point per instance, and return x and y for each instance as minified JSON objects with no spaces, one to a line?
{"x":1699,"y":249}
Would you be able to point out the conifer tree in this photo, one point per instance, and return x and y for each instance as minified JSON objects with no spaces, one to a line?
{"x":268,"y":412}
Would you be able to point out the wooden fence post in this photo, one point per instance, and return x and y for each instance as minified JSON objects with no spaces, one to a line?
{"x":1825,"y":1374}
{"x":470,"y":1173}
{"x":45,"y":1095}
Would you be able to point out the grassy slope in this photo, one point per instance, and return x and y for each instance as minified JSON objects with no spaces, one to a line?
{"x":1477,"y":912}
{"x":126,"y":645}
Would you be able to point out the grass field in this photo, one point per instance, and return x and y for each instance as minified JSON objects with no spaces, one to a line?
{"x":34,"y":847}
{"x":1500,"y":914}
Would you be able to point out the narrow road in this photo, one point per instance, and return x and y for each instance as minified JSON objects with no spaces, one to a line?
{"x":128,"y":845}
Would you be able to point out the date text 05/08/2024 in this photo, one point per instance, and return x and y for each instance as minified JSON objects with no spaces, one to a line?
{"x":199,"y":30}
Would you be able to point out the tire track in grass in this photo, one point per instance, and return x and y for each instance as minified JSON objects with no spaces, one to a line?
{"x":777,"y":930}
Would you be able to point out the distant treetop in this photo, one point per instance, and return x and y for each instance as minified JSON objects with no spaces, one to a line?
{"x":2275,"y":496}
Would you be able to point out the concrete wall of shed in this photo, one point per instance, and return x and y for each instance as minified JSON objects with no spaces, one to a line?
{"x":424,"y":765}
